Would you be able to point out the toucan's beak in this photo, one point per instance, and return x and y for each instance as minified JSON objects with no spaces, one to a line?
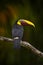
{"x":25,"y":22}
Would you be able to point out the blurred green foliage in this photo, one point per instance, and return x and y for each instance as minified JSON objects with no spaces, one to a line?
{"x":10,"y":12}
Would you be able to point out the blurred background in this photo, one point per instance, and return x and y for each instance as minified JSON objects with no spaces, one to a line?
{"x":10,"y":12}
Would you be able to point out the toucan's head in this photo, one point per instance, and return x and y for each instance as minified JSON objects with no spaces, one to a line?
{"x":25,"y":22}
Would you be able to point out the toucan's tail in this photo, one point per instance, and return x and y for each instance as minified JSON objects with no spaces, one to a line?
{"x":17,"y":43}
{"x":17,"y":52}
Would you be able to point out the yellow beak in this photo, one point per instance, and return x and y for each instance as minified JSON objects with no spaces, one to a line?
{"x":25,"y":21}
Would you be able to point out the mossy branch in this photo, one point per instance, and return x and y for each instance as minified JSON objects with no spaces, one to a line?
{"x":24,"y":44}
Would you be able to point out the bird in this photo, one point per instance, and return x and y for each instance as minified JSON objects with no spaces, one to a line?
{"x":17,"y":34}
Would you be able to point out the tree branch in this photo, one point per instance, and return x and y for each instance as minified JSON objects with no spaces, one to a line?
{"x":24,"y":44}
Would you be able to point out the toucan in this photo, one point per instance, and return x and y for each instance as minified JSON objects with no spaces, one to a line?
{"x":17,"y":34}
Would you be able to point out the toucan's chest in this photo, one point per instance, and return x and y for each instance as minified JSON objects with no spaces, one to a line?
{"x":17,"y":30}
